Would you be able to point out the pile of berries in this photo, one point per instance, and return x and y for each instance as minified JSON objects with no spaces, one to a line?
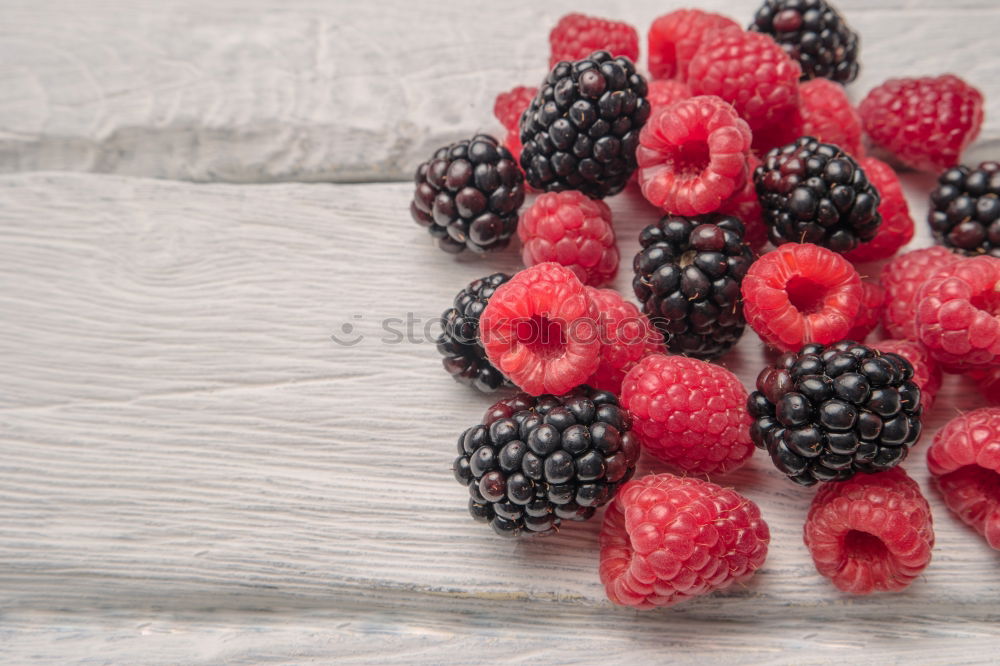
{"x":738,"y":137}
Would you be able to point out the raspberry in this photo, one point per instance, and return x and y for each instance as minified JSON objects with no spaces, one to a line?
{"x":988,"y":382}
{"x":573,"y":230}
{"x":667,"y":538}
{"x":870,"y":312}
{"x":781,"y":132}
{"x":693,"y":156}
{"x":896,"y":229}
{"x":801,"y":293}
{"x":675,"y":37}
{"x":872,"y":533}
{"x":689,"y":413}
{"x":956,"y":314}
{"x":965,"y":209}
{"x":626,"y":336}
{"x":827,"y":114}
{"x":540,"y":330}
{"x":901,"y":278}
{"x":509,"y":105}
{"x":924,"y":123}
{"x":578,"y":35}
{"x":664,"y":92}
{"x":746,"y":206}
{"x":926,"y":372}
{"x":965,"y":461}
{"x":464,"y":357}
{"x":748,"y":70}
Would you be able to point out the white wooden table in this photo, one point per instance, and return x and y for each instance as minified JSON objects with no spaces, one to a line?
{"x":193,"y":471}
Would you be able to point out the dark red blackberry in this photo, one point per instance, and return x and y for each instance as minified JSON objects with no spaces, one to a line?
{"x":535,"y":461}
{"x":965,"y":209}
{"x":581,"y":130}
{"x":464,"y":356}
{"x":827,"y":412}
{"x":814,"y":192}
{"x":468,"y":195}
{"x":814,"y":34}
{"x":688,"y":277}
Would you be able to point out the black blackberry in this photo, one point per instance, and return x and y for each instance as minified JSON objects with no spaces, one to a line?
{"x":535,"y":461}
{"x":965,"y":209}
{"x":581,"y":130}
{"x":814,"y":34}
{"x":688,"y":277}
{"x":468,"y":195}
{"x":825,"y":413}
{"x":814,"y":192}
{"x":464,"y":356}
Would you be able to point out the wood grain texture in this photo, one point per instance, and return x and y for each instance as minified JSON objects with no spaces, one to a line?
{"x":195,"y":472}
{"x":321,"y":90}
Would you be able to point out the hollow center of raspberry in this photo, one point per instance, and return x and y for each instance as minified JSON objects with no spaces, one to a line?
{"x":805,"y":295}
{"x":864,"y":546}
{"x":542,"y":336}
{"x":691,"y":158}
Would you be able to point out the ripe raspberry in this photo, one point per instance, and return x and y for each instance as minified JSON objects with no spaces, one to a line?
{"x":924,"y":123}
{"x":926,"y":372}
{"x":675,"y":37}
{"x":749,"y":70}
{"x":578,"y":35}
{"x":965,"y":461}
{"x":827,"y":114}
{"x":626,"y":337}
{"x":901,"y":278}
{"x":540,"y":330}
{"x":509,"y":106}
{"x":667,"y":538}
{"x":693,"y":155}
{"x":801,"y":293}
{"x":689,"y":413}
{"x":746,"y":206}
{"x":664,"y":92}
{"x":783,"y":131}
{"x":956,"y":314}
{"x":573,"y":230}
{"x":871,"y":533}
{"x":870,"y":312}
{"x":896,"y":229}
{"x":988,"y":382}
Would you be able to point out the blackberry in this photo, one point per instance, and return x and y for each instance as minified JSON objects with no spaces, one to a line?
{"x":535,"y":461}
{"x":814,"y":34}
{"x":468,"y":195}
{"x":827,"y":412}
{"x":581,"y":130}
{"x":688,"y":277}
{"x":965,"y":209}
{"x":464,"y":356}
{"x":813,"y":192}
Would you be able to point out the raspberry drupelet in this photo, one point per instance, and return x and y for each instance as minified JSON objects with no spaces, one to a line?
{"x":626,"y":338}
{"x":576,"y":36}
{"x":901,"y":278}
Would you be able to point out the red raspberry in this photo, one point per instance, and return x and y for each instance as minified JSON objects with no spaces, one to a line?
{"x":675,"y":37}
{"x":896,"y":229}
{"x":571,"y":229}
{"x":746,"y":206}
{"x":870,"y":312}
{"x":988,"y":382}
{"x":873,"y":532}
{"x":509,"y":105}
{"x":667,"y":538}
{"x":749,"y":70}
{"x":926,"y":371}
{"x":801,"y":293}
{"x":689,"y":413}
{"x":781,"y":132}
{"x":955,"y":314}
{"x":827,"y":115}
{"x":540,"y":330}
{"x":965,"y":461}
{"x":626,"y":337}
{"x":924,"y":123}
{"x":901,"y":278}
{"x":662,"y":93}
{"x":576,"y":36}
{"x":693,"y":156}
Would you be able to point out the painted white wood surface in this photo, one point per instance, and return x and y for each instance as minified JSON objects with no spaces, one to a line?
{"x":264,"y":90}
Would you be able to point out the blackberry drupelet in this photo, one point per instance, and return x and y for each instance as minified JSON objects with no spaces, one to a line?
{"x":581,"y":130}
{"x":468,"y":194}
{"x":464,"y":356}
{"x":814,"y":192}
{"x":965,"y":209}
{"x":814,"y":34}
{"x":827,"y":412}
{"x":535,"y":461}
{"x":688,"y":277}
